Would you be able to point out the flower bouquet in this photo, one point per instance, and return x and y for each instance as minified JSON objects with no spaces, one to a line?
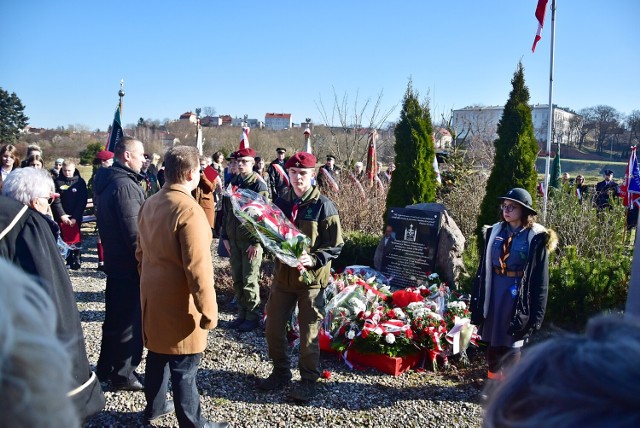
{"x":461,"y":332}
{"x":429,"y":333}
{"x":385,"y":331}
{"x":269,"y":224}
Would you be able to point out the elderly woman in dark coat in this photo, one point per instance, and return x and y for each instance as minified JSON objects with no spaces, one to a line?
{"x":28,"y":241}
{"x":510,"y":292}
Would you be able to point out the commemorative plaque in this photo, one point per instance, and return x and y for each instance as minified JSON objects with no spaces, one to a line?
{"x":414,"y":245}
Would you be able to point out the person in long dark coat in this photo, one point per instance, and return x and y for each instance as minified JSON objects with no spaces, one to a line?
{"x":30,"y":245}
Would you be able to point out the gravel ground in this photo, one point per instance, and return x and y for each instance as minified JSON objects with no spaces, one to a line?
{"x":233,"y":361}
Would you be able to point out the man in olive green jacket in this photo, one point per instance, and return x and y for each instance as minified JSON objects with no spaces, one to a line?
{"x":244,"y":248}
{"x":317,"y":217}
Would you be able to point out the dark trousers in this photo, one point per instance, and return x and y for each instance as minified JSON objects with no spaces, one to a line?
{"x":501,"y":357}
{"x":186,"y":399}
{"x":121,"y":348}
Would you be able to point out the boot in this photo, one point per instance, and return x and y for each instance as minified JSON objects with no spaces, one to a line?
{"x":75,"y":260}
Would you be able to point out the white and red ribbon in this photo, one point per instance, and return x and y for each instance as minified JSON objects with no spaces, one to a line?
{"x":282,"y":173}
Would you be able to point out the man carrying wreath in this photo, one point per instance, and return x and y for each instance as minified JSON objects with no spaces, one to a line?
{"x":244,"y":248}
{"x":317,"y":217}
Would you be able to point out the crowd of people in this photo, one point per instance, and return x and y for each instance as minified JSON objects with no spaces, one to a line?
{"x":156,"y":221}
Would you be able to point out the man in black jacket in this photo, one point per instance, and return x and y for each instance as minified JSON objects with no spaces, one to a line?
{"x":119,"y":196}
{"x":278,"y":177}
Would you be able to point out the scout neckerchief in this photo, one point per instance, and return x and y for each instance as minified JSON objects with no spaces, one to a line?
{"x":506,"y":248}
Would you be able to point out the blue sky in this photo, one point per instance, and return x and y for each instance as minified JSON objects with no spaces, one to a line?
{"x":65,"y":59}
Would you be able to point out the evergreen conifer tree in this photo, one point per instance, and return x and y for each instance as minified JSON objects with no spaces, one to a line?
{"x":414,"y":180}
{"x":516,"y":152}
{"x":12,"y":118}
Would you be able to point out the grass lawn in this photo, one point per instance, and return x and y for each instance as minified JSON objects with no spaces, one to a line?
{"x":592,"y":170}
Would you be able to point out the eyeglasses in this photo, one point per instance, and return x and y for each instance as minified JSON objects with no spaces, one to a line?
{"x":508,"y":208}
{"x":49,"y":199}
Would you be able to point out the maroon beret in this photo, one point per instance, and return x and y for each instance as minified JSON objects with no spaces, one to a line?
{"x":301,"y":160}
{"x":247,"y":152}
{"x":104,"y":155}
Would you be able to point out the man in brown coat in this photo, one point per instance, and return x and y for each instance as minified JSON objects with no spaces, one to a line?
{"x":176,"y":290}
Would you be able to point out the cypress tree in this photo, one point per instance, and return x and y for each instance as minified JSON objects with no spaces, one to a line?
{"x":414,"y":179}
{"x":515,"y":155}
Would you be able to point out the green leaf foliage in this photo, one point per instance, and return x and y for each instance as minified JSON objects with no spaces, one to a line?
{"x":581,"y":287}
{"x":414,"y":180}
{"x":12,"y":118}
{"x":89,"y":154}
{"x":516,"y":152}
{"x":358,"y":249}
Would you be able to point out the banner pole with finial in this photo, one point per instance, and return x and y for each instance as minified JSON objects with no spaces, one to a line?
{"x":121,"y":95}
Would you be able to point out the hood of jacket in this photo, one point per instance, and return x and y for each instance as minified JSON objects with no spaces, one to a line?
{"x":69,"y":181}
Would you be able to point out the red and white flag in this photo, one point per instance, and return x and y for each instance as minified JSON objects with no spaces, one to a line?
{"x":307,"y":139}
{"x":244,"y":140}
{"x":540,"y":11}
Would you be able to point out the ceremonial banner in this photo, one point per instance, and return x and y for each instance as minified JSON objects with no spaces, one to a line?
{"x":244,"y":139}
{"x":372,"y":159}
{"x":307,"y":139}
{"x":115,"y":134}
{"x":630,"y":188}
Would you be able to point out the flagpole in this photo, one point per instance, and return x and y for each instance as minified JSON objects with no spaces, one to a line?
{"x":550,"y":125}
{"x":632,"y":308}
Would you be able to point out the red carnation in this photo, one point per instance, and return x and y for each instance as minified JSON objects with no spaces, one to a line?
{"x":326,"y":374}
{"x":364,"y":334}
{"x":402,"y":298}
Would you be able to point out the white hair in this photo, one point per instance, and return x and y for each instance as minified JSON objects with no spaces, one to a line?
{"x":26,"y":184}
{"x":360,"y":164}
{"x":35,"y":368}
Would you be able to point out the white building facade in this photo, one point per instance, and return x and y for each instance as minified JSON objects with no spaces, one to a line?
{"x":484,"y":121}
{"x":277,"y":121}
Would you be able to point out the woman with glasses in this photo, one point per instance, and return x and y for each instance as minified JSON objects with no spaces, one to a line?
{"x":510,"y":291}
{"x":28,"y":240}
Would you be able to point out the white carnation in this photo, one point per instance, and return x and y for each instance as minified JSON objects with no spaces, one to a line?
{"x":399,"y":313}
{"x":378,"y":331}
{"x":389,"y":338}
{"x":351,"y":334}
